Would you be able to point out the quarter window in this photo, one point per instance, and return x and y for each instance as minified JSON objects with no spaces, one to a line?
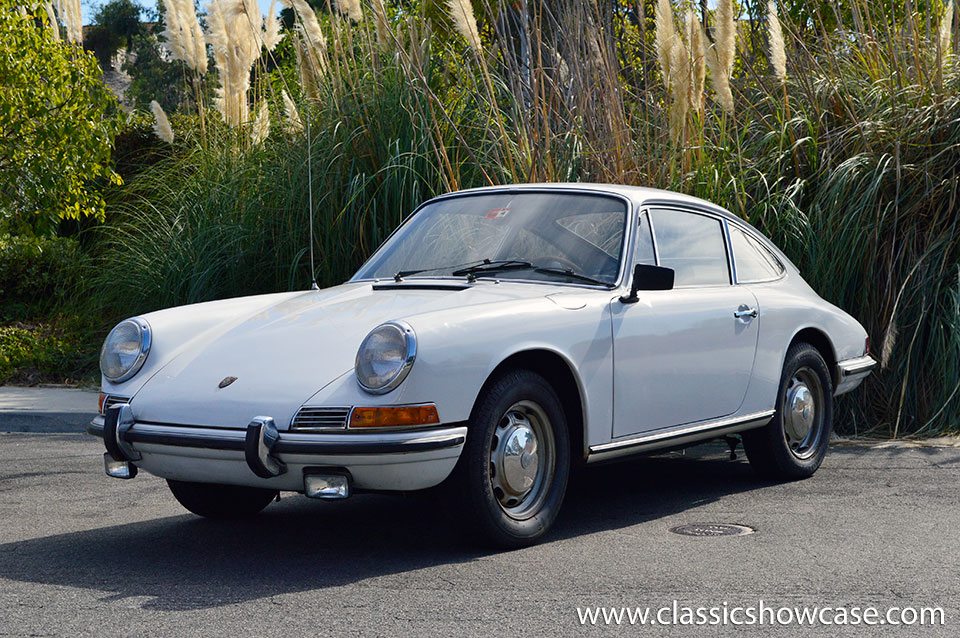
{"x":754,"y":262}
{"x":694,"y":246}
{"x":645,"y":243}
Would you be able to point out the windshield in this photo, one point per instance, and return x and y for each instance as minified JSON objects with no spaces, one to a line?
{"x":557,"y":237}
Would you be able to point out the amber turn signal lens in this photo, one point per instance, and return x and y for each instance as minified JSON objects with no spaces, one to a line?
{"x":103,"y":398}
{"x":394,"y":416}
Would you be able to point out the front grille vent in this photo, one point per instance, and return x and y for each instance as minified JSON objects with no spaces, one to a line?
{"x":325,"y":418}
{"x":113,"y":399}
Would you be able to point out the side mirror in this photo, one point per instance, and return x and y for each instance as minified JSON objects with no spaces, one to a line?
{"x":646,"y":277}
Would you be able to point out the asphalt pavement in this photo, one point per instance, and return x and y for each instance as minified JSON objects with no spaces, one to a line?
{"x":83,"y":554}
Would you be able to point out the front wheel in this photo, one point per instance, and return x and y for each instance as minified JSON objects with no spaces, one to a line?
{"x":793,"y":444}
{"x":512,"y":474}
{"x":221,"y":501}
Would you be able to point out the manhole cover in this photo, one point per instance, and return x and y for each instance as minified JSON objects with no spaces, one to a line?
{"x":712,"y":529}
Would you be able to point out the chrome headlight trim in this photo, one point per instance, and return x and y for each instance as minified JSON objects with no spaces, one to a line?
{"x":401,"y":372}
{"x":146,"y":341}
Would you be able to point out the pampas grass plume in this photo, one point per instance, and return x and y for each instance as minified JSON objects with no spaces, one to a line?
{"x":183,"y":36}
{"x":663,"y":39}
{"x":698,"y":61}
{"x":54,"y":25}
{"x":69,"y":12}
{"x":161,"y":125}
{"x":351,"y":9}
{"x":461,"y":12}
{"x":778,"y":54}
{"x":720,"y":56}
{"x":261,"y":124}
{"x":384,"y":38}
{"x":308,"y":21}
{"x":292,"y":122}
{"x":946,"y":30}
{"x":271,"y":28}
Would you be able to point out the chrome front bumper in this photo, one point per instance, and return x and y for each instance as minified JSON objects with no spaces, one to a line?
{"x":852,"y":372}
{"x":400,"y":460}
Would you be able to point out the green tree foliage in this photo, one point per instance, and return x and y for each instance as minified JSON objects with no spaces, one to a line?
{"x":115,"y":25}
{"x":57,"y":123}
{"x":154,"y":78}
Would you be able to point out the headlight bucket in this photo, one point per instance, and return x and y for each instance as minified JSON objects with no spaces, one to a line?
{"x":125,"y":350}
{"x":385,"y":357}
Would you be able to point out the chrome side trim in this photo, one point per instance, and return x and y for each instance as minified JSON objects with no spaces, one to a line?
{"x":678,"y":436}
{"x":850,"y":367}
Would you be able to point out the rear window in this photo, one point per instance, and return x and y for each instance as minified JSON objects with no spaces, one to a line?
{"x":753,"y":261}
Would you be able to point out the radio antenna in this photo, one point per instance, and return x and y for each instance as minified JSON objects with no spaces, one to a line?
{"x":313,"y":268}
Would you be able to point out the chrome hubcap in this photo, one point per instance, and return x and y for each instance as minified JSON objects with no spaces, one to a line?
{"x":802,"y":413}
{"x":521,"y":459}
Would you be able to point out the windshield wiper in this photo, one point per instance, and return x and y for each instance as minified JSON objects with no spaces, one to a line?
{"x":501,"y":265}
{"x":498,"y":265}
{"x":566,"y":272}
{"x":408,"y":273}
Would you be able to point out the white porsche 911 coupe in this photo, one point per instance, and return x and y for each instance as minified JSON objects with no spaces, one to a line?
{"x":499,"y":336}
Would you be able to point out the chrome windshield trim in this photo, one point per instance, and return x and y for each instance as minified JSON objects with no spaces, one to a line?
{"x":628,"y":234}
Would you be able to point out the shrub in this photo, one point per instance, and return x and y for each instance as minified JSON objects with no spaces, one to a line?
{"x":37,"y":275}
{"x":31,"y":354}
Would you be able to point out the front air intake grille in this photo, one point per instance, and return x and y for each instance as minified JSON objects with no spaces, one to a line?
{"x":321,"y":419}
{"x":113,"y":399}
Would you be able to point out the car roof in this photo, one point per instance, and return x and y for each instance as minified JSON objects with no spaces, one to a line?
{"x":639,"y":195}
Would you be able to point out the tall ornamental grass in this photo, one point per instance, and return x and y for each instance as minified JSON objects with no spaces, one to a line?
{"x":842,"y":147}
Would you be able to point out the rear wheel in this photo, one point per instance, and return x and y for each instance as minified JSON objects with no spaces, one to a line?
{"x":512,"y":474}
{"x":221,"y":501}
{"x":793,"y":444}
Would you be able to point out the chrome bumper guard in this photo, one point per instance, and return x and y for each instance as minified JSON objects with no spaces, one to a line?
{"x":851,"y":372}
{"x":261,"y":442}
{"x":860,"y":365}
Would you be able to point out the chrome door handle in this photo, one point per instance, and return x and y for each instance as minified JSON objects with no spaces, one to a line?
{"x":745,"y":312}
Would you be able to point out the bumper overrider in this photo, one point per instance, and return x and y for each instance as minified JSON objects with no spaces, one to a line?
{"x":852,"y":372}
{"x":321,"y":465}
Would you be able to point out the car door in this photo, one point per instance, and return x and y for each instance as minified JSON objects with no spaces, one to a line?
{"x":683,"y":355}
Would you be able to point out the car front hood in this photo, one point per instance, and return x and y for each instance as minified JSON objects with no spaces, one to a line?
{"x":285,"y":353}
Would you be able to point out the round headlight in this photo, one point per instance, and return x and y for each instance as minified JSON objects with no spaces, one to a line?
{"x":125,"y":350}
{"x":385,"y":357}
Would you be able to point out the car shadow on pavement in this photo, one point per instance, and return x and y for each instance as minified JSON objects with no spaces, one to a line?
{"x":184,"y":562}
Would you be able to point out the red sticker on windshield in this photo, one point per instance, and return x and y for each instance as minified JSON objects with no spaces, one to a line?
{"x":497,"y":213}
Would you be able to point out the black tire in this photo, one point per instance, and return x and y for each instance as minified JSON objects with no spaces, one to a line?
{"x":486,"y":508}
{"x":221,"y":501}
{"x":776,"y":451}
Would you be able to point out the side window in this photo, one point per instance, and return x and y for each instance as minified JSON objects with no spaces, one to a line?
{"x":644,"y":254}
{"x":754,"y":262}
{"x":694,"y":246}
